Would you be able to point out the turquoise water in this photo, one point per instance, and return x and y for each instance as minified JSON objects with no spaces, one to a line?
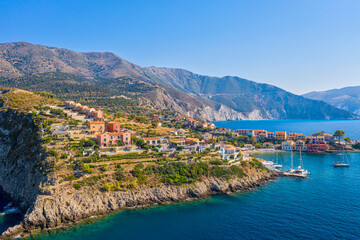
{"x":324,"y":206}
{"x":351,"y":128}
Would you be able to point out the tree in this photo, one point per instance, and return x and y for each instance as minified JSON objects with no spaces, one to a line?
{"x":339,"y":134}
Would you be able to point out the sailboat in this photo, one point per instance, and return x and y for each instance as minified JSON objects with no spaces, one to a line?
{"x":291,"y":170}
{"x":341,"y":162}
{"x":276,"y":164}
{"x":300,"y":169}
{"x":297,"y":172}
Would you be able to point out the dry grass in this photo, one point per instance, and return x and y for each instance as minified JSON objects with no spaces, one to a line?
{"x":24,"y":99}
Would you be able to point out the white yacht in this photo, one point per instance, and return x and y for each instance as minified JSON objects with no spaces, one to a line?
{"x":299,"y":171}
{"x":343,"y":162}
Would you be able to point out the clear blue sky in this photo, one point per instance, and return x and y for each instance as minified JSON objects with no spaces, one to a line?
{"x":299,"y":45}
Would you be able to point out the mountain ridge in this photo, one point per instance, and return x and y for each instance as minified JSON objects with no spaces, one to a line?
{"x":347,"y":98}
{"x":206,"y":97}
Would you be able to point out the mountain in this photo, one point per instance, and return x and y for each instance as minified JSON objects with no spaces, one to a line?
{"x":252,"y":99}
{"x":103,"y":77}
{"x":347,"y":98}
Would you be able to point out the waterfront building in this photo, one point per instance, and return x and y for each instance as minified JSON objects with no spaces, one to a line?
{"x":300,"y":145}
{"x":268,"y":145}
{"x":280,"y":135}
{"x":300,"y":136}
{"x":292,"y":136}
{"x":249,"y":132}
{"x":249,"y":147}
{"x":270,"y":135}
{"x":287,"y":145}
{"x":316,"y":144}
{"x":242,"y":132}
{"x":329,"y":138}
{"x":261,"y":135}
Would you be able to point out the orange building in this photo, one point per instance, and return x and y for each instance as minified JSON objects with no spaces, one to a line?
{"x":113,"y":127}
{"x":280,"y":135}
{"x":97,"y":127}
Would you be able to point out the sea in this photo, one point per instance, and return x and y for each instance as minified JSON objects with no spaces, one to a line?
{"x":324,"y":206}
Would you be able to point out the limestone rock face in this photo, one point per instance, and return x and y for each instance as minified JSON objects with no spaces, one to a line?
{"x":21,"y":158}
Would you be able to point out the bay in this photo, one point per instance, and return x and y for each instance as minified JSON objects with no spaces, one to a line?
{"x":324,"y":206}
{"x":351,"y":127}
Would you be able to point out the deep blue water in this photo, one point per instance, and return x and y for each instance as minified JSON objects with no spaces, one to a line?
{"x":351,"y":127}
{"x":324,"y":206}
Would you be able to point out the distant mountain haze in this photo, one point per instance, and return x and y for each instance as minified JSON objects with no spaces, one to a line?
{"x":31,"y":66}
{"x":347,"y":98}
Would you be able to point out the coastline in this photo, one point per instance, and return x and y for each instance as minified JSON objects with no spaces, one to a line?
{"x":44,"y":216}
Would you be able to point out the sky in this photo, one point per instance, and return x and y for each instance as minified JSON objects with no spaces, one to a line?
{"x":298,"y":45}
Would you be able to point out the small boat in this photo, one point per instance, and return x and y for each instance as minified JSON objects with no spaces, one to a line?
{"x":342,"y":162}
{"x":277,"y":166}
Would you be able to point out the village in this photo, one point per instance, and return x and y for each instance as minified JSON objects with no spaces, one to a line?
{"x":196,"y":137}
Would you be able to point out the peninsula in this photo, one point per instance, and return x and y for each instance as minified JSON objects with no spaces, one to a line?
{"x":64,"y":162}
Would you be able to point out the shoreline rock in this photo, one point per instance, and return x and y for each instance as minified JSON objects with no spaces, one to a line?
{"x":61,"y":210}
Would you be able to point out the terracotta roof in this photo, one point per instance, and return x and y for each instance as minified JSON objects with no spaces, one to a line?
{"x":178,"y":140}
{"x":151,"y":138}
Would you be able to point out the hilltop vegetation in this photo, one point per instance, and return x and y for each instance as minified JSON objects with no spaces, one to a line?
{"x":17,"y":98}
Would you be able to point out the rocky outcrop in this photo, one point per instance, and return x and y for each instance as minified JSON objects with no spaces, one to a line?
{"x":22,"y":160}
{"x":64,"y":207}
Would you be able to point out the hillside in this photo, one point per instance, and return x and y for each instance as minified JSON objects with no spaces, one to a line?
{"x":347,"y":98}
{"x":101,"y":78}
{"x":17,"y":98}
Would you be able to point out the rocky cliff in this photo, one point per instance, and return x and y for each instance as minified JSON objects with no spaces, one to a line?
{"x":64,"y":207}
{"x":22,"y":160}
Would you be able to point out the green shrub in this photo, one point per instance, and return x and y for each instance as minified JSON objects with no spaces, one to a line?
{"x":237,"y":171}
{"x":69,"y":178}
{"x":77,"y":186}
